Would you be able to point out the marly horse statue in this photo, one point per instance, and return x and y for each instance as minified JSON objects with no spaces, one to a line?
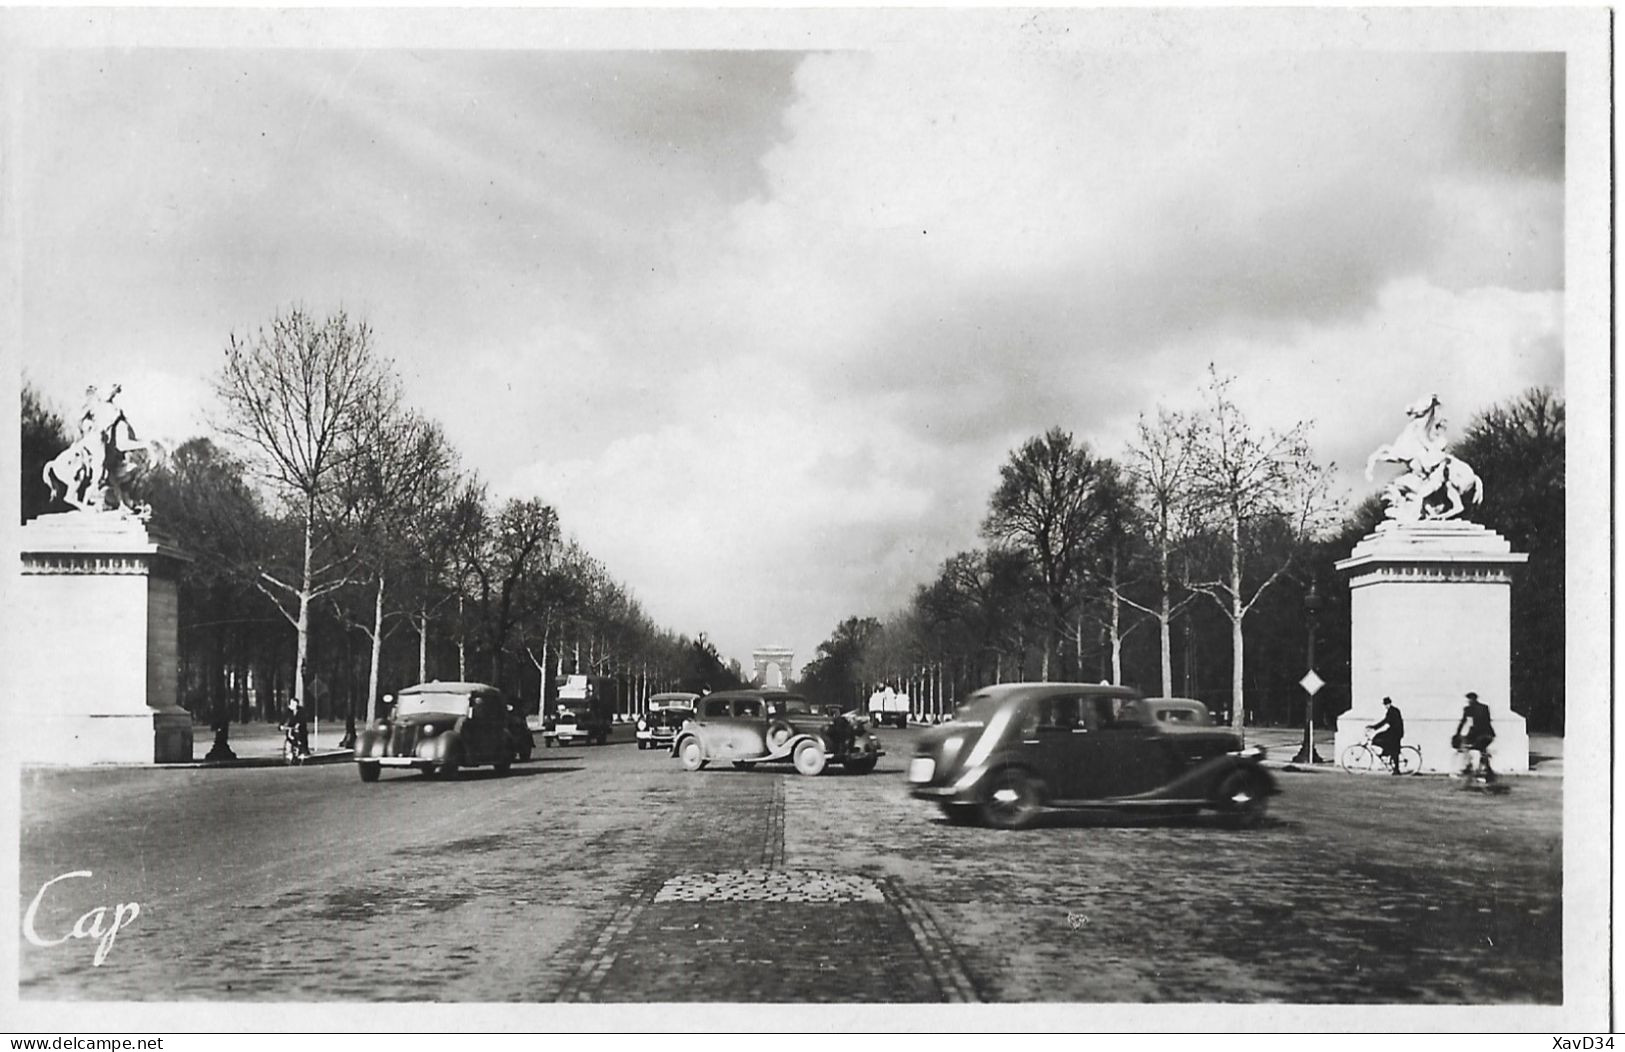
{"x":92,"y":474}
{"x":1435,"y":484}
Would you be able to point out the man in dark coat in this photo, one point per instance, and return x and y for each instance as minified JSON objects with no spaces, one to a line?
{"x":1390,"y":733}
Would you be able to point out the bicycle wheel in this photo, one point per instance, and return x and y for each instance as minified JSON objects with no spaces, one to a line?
{"x":1410,"y":759}
{"x":1358,"y":758}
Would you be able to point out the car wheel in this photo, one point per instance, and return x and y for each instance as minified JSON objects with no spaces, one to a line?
{"x":504,"y":765}
{"x":959,"y":814}
{"x":1243,"y":800}
{"x":861,"y":765}
{"x":692,"y":753}
{"x":778,"y":733}
{"x":809,"y":758}
{"x":745,"y":765}
{"x":369,"y":771}
{"x":1012,"y":800}
{"x":642,"y":745}
{"x":449,"y":766}
{"x":527,"y":750}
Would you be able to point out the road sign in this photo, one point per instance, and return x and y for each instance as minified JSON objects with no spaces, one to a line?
{"x":1312,"y":683}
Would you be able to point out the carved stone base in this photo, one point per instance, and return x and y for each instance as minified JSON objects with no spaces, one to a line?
{"x":97,"y":658}
{"x":1431,"y":605}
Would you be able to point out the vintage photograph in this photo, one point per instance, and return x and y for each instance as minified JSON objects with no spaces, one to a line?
{"x":807,"y":520}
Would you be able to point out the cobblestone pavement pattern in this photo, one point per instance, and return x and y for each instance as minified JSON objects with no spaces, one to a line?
{"x":609,"y":874}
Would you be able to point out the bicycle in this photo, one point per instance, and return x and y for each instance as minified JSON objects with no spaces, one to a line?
{"x":1478,"y":776}
{"x":1364,"y":758}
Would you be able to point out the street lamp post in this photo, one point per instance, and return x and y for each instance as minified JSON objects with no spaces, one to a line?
{"x":1311,"y":682}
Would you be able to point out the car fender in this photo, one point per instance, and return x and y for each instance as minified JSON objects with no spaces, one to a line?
{"x":794,"y":740}
{"x":1204,"y":779}
{"x":371,"y":743}
{"x":682,"y":739}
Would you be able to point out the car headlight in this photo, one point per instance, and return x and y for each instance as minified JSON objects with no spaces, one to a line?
{"x":643,"y":725}
{"x":429,"y":729}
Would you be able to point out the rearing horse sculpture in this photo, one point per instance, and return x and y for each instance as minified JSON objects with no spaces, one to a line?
{"x":1435,"y":484}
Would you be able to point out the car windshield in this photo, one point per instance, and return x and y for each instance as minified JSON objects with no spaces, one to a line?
{"x":437,"y":701}
{"x":978,"y":707}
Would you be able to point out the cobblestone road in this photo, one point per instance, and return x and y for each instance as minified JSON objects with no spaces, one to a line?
{"x":609,"y":874}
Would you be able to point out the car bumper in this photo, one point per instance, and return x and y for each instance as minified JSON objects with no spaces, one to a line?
{"x":398,"y":761}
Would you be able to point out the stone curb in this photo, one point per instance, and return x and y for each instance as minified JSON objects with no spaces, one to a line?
{"x":328,"y":756}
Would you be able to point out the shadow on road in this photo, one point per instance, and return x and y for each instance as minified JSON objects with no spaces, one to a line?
{"x":1066,"y":819}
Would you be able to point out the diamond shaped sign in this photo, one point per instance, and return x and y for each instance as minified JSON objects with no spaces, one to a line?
{"x":1311,"y":683}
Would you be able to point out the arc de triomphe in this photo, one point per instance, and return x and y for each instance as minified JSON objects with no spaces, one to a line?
{"x":773,"y":665}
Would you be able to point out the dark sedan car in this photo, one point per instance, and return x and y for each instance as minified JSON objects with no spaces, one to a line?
{"x":657,"y":728}
{"x":748,"y":727}
{"x":1017,"y":748}
{"x":441,"y":727}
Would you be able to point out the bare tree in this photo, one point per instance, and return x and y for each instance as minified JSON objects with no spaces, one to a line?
{"x":1252,"y":484}
{"x":387,"y":492}
{"x":1160,"y":461}
{"x":297,"y":395}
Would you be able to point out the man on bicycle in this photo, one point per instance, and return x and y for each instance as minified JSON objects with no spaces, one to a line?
{"x":1475,"y":722}
{"x":1390,"y":732}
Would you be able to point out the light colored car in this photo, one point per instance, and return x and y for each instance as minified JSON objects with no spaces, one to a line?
{"x":748,"y":727}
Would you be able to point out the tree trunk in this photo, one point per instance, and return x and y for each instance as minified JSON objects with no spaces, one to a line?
{"x":462,"y":644}
{"x":302,"y":656}
{"x":423,"y":644}
{"x":1238,"y":715}
{"x":1165,"y":627}
{"x":377,"y":646}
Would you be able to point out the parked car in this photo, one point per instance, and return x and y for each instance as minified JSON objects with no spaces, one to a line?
{"x":657,"y":728}
{"x":1013,"y":750}
{"x":585,"y":712}
{"x":1178,"y":710}
{"x":439,"y":728}
{"x":748,"y":727}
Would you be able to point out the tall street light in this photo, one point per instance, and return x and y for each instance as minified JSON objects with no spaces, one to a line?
{"x":1311,"y":682}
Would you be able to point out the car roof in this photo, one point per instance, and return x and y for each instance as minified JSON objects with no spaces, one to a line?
{"x":1006,"y":690}
{"x":449,"y":687}
{"x":1175,"y":701}
{"x":753,"y":692}
{"x":673,"y":696}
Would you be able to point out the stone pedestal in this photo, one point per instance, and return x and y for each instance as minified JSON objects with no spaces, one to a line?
{"x":95,"y":661}
{"x":1431,"y":605}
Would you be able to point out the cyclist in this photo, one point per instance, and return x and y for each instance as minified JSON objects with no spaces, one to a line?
{"x":1390,"y":732}
{"x":1474,"y":733}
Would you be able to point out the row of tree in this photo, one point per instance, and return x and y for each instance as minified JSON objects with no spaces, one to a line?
{"x":1183,"y":566}
{"x":341,"y":550}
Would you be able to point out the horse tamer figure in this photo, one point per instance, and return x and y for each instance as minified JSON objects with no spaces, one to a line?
{"x":1435,"y":484}
{"x":92,"y":474}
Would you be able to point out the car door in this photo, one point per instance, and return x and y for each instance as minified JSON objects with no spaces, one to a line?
{"x":749,"y":731}
{"x":1131,"y":755}
{"x":486,"y":728}
{"x":1058,"y":737}
{"x":716,"y":718}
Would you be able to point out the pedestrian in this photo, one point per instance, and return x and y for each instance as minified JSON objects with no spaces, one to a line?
{"x":1474,"y":733}
{"x":1390,"y":733}
{"x":295,"y":733}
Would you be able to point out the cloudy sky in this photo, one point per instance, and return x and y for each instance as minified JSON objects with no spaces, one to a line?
{"x":763,"y":324}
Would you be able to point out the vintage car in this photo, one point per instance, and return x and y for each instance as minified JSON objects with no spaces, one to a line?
{"x":748,"y":727}
{"x":657,"y":728}
{"x":439,"y":728}
{"x":1177,"y":710}
{"x":585,"y":711}
{"x":1014,"y":749}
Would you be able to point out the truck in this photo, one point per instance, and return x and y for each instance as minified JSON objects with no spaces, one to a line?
{"x":585,"y":711}
{"x":887,"y":706}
